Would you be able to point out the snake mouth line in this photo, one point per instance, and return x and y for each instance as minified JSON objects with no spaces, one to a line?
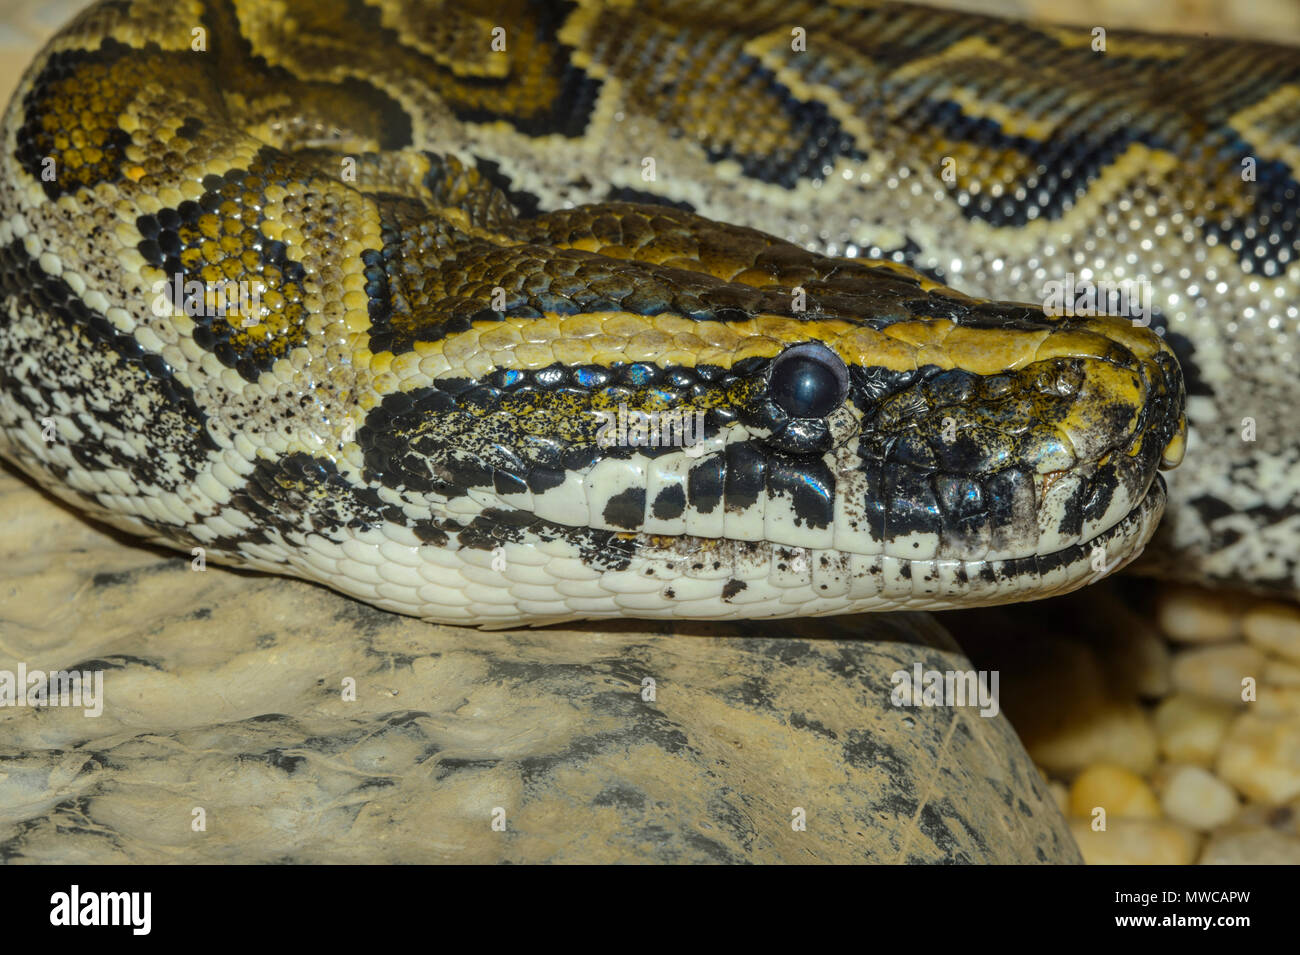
{"x":918,"y":583}
{"x":1086,"y":562}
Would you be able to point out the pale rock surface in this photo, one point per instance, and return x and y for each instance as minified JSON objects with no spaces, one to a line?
{"x":1197,"y":798}
{"x":1217,"y":672}
{"x":1251,"y":847}
{"x":1260,"y":758}
{"x":1136,"y":842}
{"x":1274,"y":627}
{"x":1191,"y":728}
{"x":224,"y":694}
{"x":1121,"y":793}
{"x":1192,"y":615}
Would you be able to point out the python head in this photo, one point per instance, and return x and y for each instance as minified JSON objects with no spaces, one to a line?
{"x":731,"y":427}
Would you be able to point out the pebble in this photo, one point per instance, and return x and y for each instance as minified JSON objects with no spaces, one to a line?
{"x":1279,"y":702}
{"x":1116,"y":732}
{"x":1190,"y":728}
{"x":1283,"y":819}
{"x":1254,"y":846}
{"x":1193,"y":615}
{"x":1260,"y":757}
{"x":1274,"y":627}
{"x":1197,"y":798}
{"x":1135,"y":656}
{"x":1058,"y":698}
{"x":1136,"y":842}
{"x":1217,"y":672}
{"x":1281,"y":673}
{"x":1123,"y":794}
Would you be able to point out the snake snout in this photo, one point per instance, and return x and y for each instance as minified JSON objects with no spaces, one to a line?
{"x":1172,"y":456}
{"x":1042,"y":454}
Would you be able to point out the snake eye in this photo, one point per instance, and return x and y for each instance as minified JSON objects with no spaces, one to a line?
{"x":808,"y":381}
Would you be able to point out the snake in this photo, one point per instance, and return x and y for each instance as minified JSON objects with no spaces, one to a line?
{"x":501,"y":312}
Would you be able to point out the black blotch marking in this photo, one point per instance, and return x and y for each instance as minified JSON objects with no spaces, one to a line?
{"x":527,"y":203}
{"x":36,"y":142}
{"x":810,"y":486}
{"x":817,"y":139}
{"x":299,"y":494}
{"x":626,"y":508}
{"x":389,"y":121}
{"x":669,"y":504}
{"x":704,"y":484}
{"x":155,"y":404}
{"x":744,"y":481}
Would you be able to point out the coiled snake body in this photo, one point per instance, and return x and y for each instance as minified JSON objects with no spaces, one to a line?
{"x":497,"y":358}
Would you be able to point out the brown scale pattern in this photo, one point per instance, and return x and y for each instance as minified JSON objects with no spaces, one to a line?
{"x":380,"y":280}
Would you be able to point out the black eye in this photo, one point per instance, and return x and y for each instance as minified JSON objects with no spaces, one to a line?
{"x":808,"y":381}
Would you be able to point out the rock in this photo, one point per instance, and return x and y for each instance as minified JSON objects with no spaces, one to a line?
{"x":1057,"y":697}
{"x":1191,"y":728}
{"x":1061,"y":795}
{"x":1281,"y":673}
{"x":228,"y":693}
{"x":1274,"y":627}
{"x":1258,"y":846}
{"x":1217,"y":672}
{"x":1279,"y":702}
{"x":1133,"y":656}
{"x":1135,"y":842}
{"x":1136,"y":659}
{"x":1197,"y":798}
{"x":1260,"y":757}
{"x":1119,"y":732}
{"x":1284,"y":819}
{"x":1188,"y":614}
{"x":1122,"y":794}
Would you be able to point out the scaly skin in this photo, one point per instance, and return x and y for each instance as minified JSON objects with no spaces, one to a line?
{"x":415,"y":409}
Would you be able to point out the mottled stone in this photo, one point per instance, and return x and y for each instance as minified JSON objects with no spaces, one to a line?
{"x":1217,"y":672}
{"x":1060,"y":795}
{"x":225,"y":692}
{"x":1121,"y":793}
{"x":1197,"y":798}
{"x":1191,"y":728}
{"x":1260,"y":757}
{"x":1136,"y":842}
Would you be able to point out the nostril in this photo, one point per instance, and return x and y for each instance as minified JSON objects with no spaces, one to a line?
{"x":1062,"y":378}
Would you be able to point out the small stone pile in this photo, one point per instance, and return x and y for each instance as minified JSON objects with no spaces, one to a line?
{"x":1182,"y":725}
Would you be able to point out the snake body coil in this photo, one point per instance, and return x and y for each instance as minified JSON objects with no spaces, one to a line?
{"x":434,"y":304}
